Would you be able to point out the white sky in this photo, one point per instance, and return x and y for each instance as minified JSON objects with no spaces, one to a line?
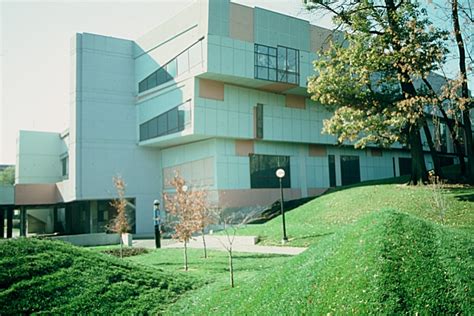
{"x":35,"y":53}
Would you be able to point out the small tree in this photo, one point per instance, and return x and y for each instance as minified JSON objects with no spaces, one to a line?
{"x":180,"y":205}
{"x":232,"y":224}
{"x":205,"y":215}
{"x":437,"y":188}
{"x":120,"y":223}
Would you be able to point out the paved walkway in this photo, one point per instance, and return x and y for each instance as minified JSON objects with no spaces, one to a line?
{"x":241,"y":244}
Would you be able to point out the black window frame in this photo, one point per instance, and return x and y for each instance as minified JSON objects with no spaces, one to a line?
{"x":281,"y":68}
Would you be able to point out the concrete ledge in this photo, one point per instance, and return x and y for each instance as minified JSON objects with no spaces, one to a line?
{"x":99,"y":239}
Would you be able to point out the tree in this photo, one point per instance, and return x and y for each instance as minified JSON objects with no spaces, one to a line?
{"x":464,"y":89}
{"x":120,"y":224}
{"x":7,"y":176}
{"x":369,"y":79}
{"x":189,"y":206}
{"x":232,"y":224}
{"x":454,"y":99}
{"x":205,"y":215}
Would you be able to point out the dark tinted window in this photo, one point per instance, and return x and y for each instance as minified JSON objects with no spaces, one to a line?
{"x":350,"y":170}
{"x":172,"y":121}
{"x":263,"y":168}
{"x":404,"y":166}
{"x":332,"y":170}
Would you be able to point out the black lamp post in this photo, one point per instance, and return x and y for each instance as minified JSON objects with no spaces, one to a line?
{"x":156,"y":219}
{"x":280,"y":173}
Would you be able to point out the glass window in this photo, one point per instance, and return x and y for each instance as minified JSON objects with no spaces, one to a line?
{"x":162,"y":124}
{"x":262,"y":73}
{"x":176,"y":66}
{"x":259,"y":121}
{"x":153,"y":128}
{"x":332,"y":170}
{"x":282,"y":64}
{"x":263,"y":168}
{"x":171,"y":68}
{"x":350,"y":170}
{"x":173,"y":120}
{"x":65,"y":166}
{"x":144,"y":131}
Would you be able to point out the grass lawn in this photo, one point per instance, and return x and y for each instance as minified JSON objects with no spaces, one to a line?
{"x":386,"y":263}
{"x":57,"y":278}
{"x":328,"y":213}
{"x":375,"y":248}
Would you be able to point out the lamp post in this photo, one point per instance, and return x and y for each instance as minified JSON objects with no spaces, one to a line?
{"x":280,"y":173}
{"x":157,"y":220}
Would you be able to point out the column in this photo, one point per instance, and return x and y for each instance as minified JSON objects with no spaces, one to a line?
{"x":23,"y":219}
{"x":2,"y":223}
{"x":10,"y":222}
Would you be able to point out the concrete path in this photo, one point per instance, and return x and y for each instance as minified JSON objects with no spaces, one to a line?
{"x":215,"y":242}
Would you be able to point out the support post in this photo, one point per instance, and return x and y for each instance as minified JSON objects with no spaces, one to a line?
{"x":9,"y":223}
{"x":2,"y":223}
{"x":23,"y":221}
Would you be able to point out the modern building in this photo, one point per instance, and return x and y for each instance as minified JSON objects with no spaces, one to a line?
{"x":218,"y":93}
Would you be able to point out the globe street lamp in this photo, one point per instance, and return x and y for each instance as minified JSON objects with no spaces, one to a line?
{"x":157,"y":222}
{"x":280,"y":173}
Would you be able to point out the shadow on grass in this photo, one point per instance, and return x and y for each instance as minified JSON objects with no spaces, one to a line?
{"x":464,"y":194}
{"x":312,"y":236}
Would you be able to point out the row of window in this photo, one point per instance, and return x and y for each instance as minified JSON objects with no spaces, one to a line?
{"x":178,"y":65}
{"x":263,"y":168}
{"x":279,"y":64}
{"x":172,"y":121}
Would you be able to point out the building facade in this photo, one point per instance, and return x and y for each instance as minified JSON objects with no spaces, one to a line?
{"x":218,"y":93}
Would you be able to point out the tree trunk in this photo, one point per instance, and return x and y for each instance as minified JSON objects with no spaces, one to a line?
{"x":231,"y":269}
{"x":418,"y":167}
{"x":121,"y":246}
{"x":185,"y":255}
{"x":464,"y":92}
{"x":457,"y":145}
{"x":433,"y":151}
{"x":204,"y":243}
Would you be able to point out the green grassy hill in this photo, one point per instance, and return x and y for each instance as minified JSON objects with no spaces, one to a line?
{"x":328,"y":213}
{"x":47,"y":276}
{"x":373,"y":249}
{"x":385,"y":263}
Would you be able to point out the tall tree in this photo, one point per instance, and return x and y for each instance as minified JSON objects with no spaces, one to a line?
{"x":370,"y":78}
{"x":464,"y":90}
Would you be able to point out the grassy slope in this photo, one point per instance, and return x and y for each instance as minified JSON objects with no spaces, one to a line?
{"x":387,"y":262}
{"x":373,"y":249}
{"x":324,"y":215}
{"x":38,"y":275}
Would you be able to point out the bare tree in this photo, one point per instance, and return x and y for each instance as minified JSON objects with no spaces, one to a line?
{"x":232,"y":224}
{"x":120,"y":224}
{"x":205,"y":214}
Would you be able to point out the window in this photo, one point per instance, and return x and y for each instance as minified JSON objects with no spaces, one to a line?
{"x":332,"y":170}
{"x":259,"y":121}
{"x":279,"y":64}
{"x":173,"y":68}
{"x":404,"y":166}
{"x":172,"y":121}
{"x":350,"y":170}
{"x":65,"y":167}
{"x":263,"y":168}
